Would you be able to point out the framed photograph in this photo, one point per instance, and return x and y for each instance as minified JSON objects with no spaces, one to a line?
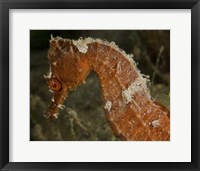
{"x":99,"y":85}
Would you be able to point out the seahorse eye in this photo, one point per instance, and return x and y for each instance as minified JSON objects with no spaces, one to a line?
{"x":54,"y":84}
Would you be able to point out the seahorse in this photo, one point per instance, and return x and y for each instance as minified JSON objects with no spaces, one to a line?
{"x":129,"y":108}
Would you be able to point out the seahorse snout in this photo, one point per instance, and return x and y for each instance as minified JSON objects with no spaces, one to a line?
{"x":52,"y":111}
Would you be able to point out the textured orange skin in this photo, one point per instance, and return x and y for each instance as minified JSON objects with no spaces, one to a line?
{"x":128,"y":121}
{"x":54,"y":84}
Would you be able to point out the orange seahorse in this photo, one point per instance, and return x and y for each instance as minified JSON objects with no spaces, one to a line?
{"x":130,"y":110}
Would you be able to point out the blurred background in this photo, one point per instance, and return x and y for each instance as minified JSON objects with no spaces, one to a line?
{"x":83,"y":118}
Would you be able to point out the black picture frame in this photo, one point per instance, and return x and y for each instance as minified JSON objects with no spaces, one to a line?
{"x":5,"y":5}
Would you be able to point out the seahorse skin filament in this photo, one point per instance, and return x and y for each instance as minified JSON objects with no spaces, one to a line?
{"x":131,"y":112}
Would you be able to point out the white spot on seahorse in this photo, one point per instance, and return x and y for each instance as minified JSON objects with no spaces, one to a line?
{"x":119,"y":69}
{"x":131,"y":90}
{"x":50,"y":91}
{"x":55,"y":115}
{"x":61,"y":106}
{"x":52,"y":37}
{"x":108,"y":105}
{"x":127,"y":96}
{"x":155,"y":123}
{"x":54,"y":63}
{"x":81,"y":44}
{"x":48,"y":76}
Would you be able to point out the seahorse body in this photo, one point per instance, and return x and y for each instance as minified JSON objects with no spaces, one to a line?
{"x":130,"y":110}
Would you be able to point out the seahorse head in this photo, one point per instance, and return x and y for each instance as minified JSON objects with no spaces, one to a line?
{"x":68,"y":69}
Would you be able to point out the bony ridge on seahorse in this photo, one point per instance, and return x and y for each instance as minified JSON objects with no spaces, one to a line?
{"x":130,"y":110}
